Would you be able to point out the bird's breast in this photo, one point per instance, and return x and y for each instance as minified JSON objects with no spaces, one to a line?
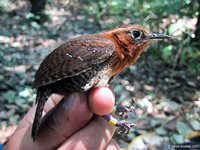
{"x":118,"y":64}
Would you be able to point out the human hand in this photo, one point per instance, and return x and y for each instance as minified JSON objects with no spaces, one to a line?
{"x":69,"y":124}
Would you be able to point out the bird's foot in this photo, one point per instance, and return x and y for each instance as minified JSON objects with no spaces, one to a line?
{"x":123,"y":111}
{"x":124,"y":127}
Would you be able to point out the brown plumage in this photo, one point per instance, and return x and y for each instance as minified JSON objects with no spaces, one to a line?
{"x":87,"y":61}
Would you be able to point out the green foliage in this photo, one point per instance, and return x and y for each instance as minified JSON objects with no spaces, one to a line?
{"x":161,"y":131}
{"x":10,"y":96}
{"x":195,"y":124}
{"x":31,"y":16}
{"x":167,"y":52}
{"x":177,"y":139}
{"x":182,"y":128}
{"x":3,"y":6}
{"x":116,"y":12}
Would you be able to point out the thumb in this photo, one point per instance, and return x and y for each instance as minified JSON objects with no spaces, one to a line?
{"x":70,"y":115}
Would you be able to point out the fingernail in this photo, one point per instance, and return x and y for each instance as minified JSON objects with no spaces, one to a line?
{"x":110,"y":94}
{"x":112,"y":97}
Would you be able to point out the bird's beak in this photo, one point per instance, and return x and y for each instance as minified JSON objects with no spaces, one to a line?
{"x":157,"y":36}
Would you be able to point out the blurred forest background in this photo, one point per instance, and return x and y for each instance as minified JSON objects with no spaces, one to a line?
{"x":163,"y":86}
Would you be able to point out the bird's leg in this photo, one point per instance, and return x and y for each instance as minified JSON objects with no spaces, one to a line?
{"x":123,"y":111}
{"x":125,"y":126}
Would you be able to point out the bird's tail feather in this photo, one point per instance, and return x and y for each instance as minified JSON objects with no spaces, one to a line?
{"x":42,"y":96}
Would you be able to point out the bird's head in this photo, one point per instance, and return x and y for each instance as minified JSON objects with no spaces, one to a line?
{"x":132,"y":40}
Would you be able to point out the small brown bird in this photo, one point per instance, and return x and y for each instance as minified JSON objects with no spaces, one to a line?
{"x":87,"y":61}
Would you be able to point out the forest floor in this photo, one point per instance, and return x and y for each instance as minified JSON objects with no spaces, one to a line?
{"x":166,"y":98}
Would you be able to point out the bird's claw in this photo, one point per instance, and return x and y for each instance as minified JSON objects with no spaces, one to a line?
{"x":122,"y":111}
{"x":125,"y":127}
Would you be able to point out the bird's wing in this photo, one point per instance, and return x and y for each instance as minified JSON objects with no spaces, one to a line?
{"x":73,"y":57}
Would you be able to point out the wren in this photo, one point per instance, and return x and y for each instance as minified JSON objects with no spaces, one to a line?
{"x":89,"y":61}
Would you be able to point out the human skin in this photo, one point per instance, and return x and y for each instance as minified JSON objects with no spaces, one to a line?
{"x":69,"y":124}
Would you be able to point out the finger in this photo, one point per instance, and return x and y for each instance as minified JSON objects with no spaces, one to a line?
{"x":112,"y":145}
{"x":57,"y":124}
{"x":101,"y":100}
{"x":96,"y":135}
{"x":23,"y":132}
{"x":69,"y":115}
{"x":53,"y":100}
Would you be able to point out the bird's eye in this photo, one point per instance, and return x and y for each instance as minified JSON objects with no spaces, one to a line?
{"x":136,"y":34}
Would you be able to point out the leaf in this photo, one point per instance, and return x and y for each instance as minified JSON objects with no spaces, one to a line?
{"x":183,"y":128}
{"x":118,"y":88}
{"x":175,"y":27}
{"x":25,"y":93}
{"x":133,"y":69}
{"x":153,"y":139}
{"x":195,"y":124}
{"x":29,"y":15}
{"x":191,"y":83}
{"x":167,"y":52}
{"x":35,"y":25}
{"x":4,"y":5}
{"x":177,"y":138}
{"x":115,"y":7}
{"x":154,"y":122}
{"x":161,"y":131}
{"x":10,"y":96}
{"x":3,"y":114}
{"x":20,"y":101}
{"x":14,"y":119}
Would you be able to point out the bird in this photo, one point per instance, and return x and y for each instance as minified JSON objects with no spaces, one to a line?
{"x":88,"y":61}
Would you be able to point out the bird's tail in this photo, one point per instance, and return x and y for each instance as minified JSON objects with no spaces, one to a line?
{"x":42,"y":96}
